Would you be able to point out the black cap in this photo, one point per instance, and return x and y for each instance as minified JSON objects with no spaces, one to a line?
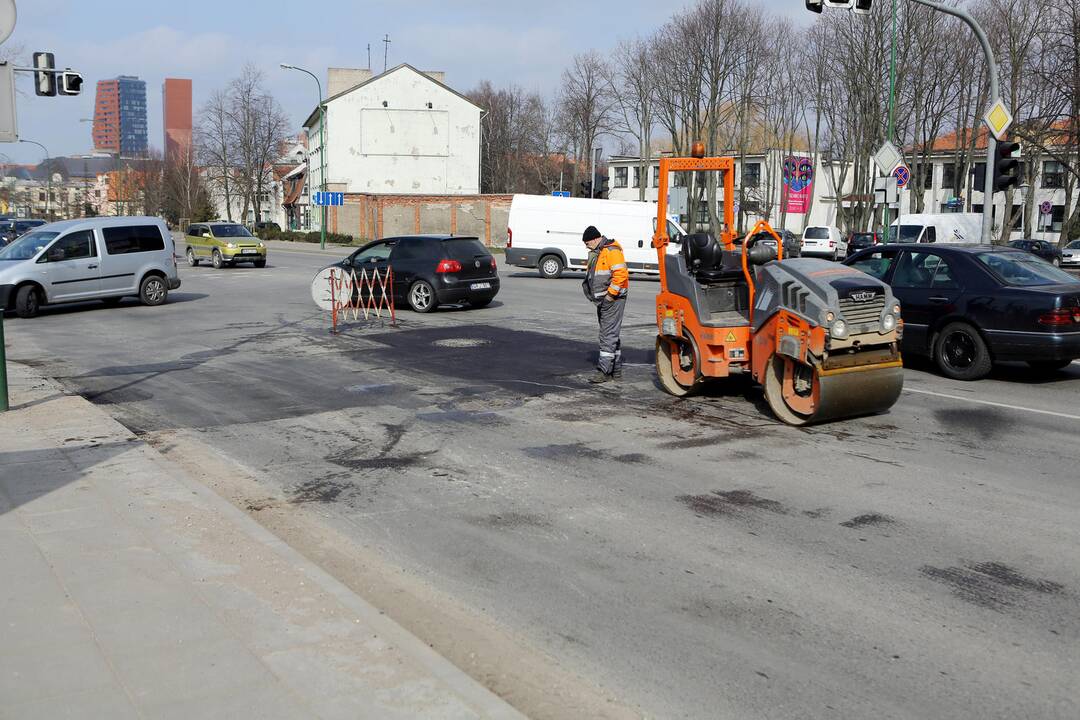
{"x":591,"y":233}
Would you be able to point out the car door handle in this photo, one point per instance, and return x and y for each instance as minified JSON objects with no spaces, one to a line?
{"x":91,"y":267}
{"x":938,"y":299}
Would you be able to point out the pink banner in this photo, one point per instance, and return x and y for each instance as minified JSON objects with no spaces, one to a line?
{"x":798,"y":181}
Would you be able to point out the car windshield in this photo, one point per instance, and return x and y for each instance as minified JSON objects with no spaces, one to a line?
{"x":1024,"y":269}
{"x":816,"y":233}
{"x":21,"y":227}
{"x":908,"y":233}
{"x":1074,"y":245}
{"x":223,"y":231}
{"x":28,"y":245}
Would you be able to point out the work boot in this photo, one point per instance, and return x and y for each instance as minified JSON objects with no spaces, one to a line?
{"x":600,"y":377}
{"x":616,"y":374}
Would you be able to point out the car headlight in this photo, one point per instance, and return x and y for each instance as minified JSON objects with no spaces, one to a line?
{"x":896,"y":309}
{"x":838,"y":329}
{"x":231,"y":246}
{"x":888,"y":324}
{"x":261,"y":245}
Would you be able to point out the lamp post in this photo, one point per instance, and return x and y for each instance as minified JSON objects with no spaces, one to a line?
{"x":48,"y":174}
{"x":322,"y":149}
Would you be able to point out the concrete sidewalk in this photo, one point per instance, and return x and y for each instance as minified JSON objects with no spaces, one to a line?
{"x":128,"y":590}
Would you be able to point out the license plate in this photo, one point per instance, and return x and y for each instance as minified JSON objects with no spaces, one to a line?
{"x":250,"y":251}
{"x":480,"y":286}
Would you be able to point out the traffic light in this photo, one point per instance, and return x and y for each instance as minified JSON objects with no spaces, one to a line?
{"x":44,"y":82}
{"x":1006,"y":165}
{"x":70,"y":82}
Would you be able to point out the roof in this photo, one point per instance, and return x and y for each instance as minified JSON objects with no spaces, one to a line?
{"x":948,"y":141}
{"x":100,"y":222}
{"x":310,"y":121}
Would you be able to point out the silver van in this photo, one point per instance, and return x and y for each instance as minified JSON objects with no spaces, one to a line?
{"x":105,"y":258}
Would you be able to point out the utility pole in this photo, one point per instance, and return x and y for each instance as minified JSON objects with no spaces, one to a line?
{"x":322,"y":150}
{"x":386,"y":51}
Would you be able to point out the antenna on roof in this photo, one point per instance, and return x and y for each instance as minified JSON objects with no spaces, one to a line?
{"x":369,"y":56}
{"x":386,"y":50}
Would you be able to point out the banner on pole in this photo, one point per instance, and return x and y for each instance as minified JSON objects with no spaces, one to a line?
{"x":798,"y":178}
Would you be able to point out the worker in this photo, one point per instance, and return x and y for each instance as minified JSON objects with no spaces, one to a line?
{"x":606,"y":286}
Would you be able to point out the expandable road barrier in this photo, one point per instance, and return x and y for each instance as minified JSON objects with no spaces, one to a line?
{"x":348,"y":294}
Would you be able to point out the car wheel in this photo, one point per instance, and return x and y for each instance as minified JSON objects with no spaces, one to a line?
{"x":1049,"y":365}
{"x":551,"y":267}
{"x":216,"y":260}
{"x":1055,"y":262}
{"x":153,"y":290}
{"x":259,"y":263}
{"x":835,"y":255}
{"x":422,"y":297}
{"x":191,"y":259}
{"x":27,"y":301}
{"x":960,"y":352}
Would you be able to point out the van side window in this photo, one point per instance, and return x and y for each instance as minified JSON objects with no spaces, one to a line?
{"x":132,"y":239}
{"x":73,"y":246}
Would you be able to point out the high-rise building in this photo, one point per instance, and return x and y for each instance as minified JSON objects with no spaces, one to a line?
{"x":176,"y":112}
{"x":120,"y":116}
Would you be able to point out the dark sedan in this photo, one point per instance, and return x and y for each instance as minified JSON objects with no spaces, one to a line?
{"x":861,"y":241}
{"x":792,"y":246}
{"x":432,"y":270}
{"x":11,"y":229}
{"x":1047,"y":251}
{"x":970,"y":306}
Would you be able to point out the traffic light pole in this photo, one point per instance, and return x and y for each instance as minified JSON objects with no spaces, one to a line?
{"x":991,"y":141}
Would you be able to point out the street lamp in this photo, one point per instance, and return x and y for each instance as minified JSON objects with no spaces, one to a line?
{"x":48,"y":174}
{"x":322,"y":150}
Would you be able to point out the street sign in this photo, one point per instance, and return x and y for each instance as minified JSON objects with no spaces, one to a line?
{"x":328,"y":198}
{"x":9,"y":127}
{"x":560,"y":193}
{"x":1045,"y":207}
{"x":902,"y":175}
{"x":885,"y":191}
{"x":887,"y":158}
{"x":998,"y":119}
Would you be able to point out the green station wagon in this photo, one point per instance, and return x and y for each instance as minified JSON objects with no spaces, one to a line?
{"x":223,"y":243}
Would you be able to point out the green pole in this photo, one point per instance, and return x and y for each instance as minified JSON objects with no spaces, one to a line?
{"x":3,"y":367}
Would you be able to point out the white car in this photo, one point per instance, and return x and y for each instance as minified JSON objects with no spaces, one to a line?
{"x":88,"y":259}
{"x":824,"y":241}
{"x":1070,"y":254}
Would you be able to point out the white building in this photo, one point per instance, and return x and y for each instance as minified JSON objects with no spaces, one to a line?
{"x":759,"y":189}
{"x":402,"y":132}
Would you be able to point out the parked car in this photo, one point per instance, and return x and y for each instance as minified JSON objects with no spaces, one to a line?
{"x":1070,"y":256}
{"x":953,"y":228}
{"x":91,"y":258}
{"x":792,"y":245}
{"x":544,"y":232}
{"x":823,"y":241}
{"x":432,"y":270}
{"x":13,"y":228}
{"x":262,"y":225}
{"x":968,"y":306}
{"x":861,"y":241}
{"x":223,"y":244}
{"x":1047,"y":251}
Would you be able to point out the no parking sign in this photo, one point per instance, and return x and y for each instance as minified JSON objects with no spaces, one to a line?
{"x":902,"y":175}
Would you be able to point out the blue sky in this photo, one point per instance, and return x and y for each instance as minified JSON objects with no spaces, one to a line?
{"x":523,"y":42}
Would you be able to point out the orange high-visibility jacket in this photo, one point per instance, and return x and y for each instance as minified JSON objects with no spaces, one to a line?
{"x":607,"y":273}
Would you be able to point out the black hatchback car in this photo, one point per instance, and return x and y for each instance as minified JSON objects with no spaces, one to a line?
{"x":861,"y":241}
{"x":1047,"y":251}
{"x":968,"y":306}
{"x":432,"y":270}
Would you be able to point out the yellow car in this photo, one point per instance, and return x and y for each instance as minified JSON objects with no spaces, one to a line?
{"x":223,"y":243}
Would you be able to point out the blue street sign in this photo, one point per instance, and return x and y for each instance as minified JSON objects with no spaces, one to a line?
{"x":560,"y":193}
{"x":328,"y":198}
{"x":902,"y":175}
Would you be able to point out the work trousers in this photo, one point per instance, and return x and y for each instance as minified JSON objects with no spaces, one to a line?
{"x":610,"y":316}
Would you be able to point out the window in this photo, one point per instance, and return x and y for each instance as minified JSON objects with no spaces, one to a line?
{"x":1057,"y":217}
{"x":41,"y":197}
{"x":876,"y":264}
{"x":637,"y":177}
{"x":413,"y":249}
{"x":1053,"y":175}
{"x":1024,"y":269}
{"x":373,"y":253}
{"x":927,"y":175}
{"x":656,"y":176}
{"x":73,"y":246}
{"x":923,"y":270}
{"x":132,"y":239}
{"x":231,"y":231}
{"x":948,"y":176}
{"x":751,"y":174}
{"x":620,"y":177}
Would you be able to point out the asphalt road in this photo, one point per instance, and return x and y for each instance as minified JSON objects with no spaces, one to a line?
{"x":692,"y":557}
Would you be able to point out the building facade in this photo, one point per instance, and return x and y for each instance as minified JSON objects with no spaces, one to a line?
{"x":176,"y":117}
{"x":402,"y":132}
{"x":120,"y":116}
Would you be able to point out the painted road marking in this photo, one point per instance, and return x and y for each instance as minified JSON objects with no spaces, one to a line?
{"x":994,"y":404}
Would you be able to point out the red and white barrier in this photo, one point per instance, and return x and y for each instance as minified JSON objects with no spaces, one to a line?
{"x":349,"y":294}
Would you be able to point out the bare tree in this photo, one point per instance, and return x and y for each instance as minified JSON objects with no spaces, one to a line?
{"x":631,"y":80}
{"x":217,"y":150}
{"x":586,"y":107}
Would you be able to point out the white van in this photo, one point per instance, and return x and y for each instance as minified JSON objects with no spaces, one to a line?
{"x":824,"y":241}
{"x":88,"y":259}
{"x":544,"y":232}
{"x":956,"y":228}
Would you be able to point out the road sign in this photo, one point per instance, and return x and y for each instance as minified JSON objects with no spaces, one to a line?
{"x":560,"y":193}
{"x":902,"y":175}
{"x":998,"y":119}
{"x":887,"y":158}
{"x":885,"y":190}
{"x":7,"y":18}
{"x":328,"y":198}
{"x":1045,"y":207}
{"x":9,"y":126}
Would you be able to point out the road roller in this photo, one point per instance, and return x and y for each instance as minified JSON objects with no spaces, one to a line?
{"x":822,"y":339}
